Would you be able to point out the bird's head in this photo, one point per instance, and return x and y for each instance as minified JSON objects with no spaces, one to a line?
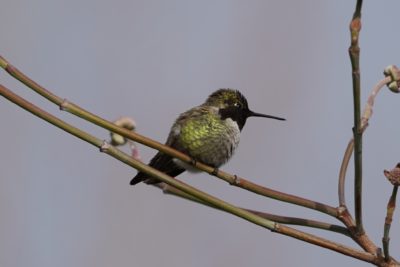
{"x":232,"y":104}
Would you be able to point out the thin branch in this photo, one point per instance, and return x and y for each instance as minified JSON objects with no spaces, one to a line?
{"x":123,"y":157}
{"x":343,"y":171}
{"x":281,"y":196}
{"x":329,"y":245}
{"x":303,"y":222}
{"x":28,"y":82}
{"x":167,"y":189}
{"x":367,"y":114}
{"x":388,"y":222}
{"x":368,"y":109}
{"x":354,"y":52}
{"x":231,"y":179}
{"x":361,"y":238}
{"x":393,"y":177}
{"x":357,"y":12}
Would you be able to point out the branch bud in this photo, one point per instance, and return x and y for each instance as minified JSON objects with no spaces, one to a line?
{"x":124,"y":122}
{"x":394,"y":73}
{"x":394,"y":175}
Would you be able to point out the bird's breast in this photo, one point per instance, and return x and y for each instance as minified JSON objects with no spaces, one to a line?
{"x":211,"y":141}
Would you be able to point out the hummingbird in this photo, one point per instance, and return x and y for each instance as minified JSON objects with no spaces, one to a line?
{"x":208,"y":133}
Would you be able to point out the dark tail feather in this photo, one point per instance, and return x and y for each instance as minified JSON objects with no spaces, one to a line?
{"x":161,"y":162}
{"x":140,"y":177}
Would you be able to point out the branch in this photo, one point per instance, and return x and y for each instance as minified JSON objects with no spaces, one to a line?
{"x":123,"y":157}
{"x":393,"y":76}
{"x":388,"y":222}
{"x":276,"y":218}
{"x":342,"y":173}
{"x":231,"y":179}
{"x":367,"y":114}
{"x":354,"y":51}
{"x":393,"y":177}
{"x":345,"y":217}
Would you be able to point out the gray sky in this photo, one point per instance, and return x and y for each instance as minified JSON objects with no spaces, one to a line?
{"x":65,"y":204}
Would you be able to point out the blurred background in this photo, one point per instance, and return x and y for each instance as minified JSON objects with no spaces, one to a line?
{"x":62,"y":203}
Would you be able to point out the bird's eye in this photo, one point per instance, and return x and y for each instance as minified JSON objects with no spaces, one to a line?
{"x":236,"y":105}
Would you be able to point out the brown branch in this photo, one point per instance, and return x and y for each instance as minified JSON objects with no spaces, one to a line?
{"x":231,"y":179}
{"x":388,"y":222}
{"x":343,"y":171}
{"x":354,"y":52}
{"x":276,"y":218}
{"x":367,"y":114}
{"x":123,"y":157}
{"x":328,"y":244}
{"x":362,"y":239}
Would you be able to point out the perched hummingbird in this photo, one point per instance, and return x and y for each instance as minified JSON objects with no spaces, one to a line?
{"x":208,"y":133}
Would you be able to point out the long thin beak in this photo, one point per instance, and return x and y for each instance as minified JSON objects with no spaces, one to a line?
{"x":255,"y":114}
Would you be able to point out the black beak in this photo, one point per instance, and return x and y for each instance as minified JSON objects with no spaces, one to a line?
{"x":255,"y":114}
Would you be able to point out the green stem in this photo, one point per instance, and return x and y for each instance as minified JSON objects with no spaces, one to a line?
{"x":264,"y":191}
{"x":231,"y":179}
{"x":302,"y":222}
{"x":342,"y":172}
{"x":366,"y":115}
{"x":388,"y":222}
{"x":220,"y":204}
{"x":276,"y":218}
{"x":354,"y":52}
{"x":13,"y":71}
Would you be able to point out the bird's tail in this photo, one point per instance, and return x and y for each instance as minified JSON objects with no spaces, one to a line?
{"x":140,"y":177}
{"x":161,"y":162}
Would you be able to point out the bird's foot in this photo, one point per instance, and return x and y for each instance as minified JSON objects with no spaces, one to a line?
{"x":215,"y":172}
{"x":193,"y":162}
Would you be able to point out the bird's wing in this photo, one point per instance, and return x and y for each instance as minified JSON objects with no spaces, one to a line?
{"x":200,"y":133}
{"x":161,"y":162}
{"x":183,"y":124}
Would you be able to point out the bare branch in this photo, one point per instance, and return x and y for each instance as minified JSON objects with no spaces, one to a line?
{"x":276,"y":218}
{"x":354,"y":52}
{"x":388,"y":222}
{"x":220,"y":204}
{"x":367,"y":114}
{"x":231,"y":179}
